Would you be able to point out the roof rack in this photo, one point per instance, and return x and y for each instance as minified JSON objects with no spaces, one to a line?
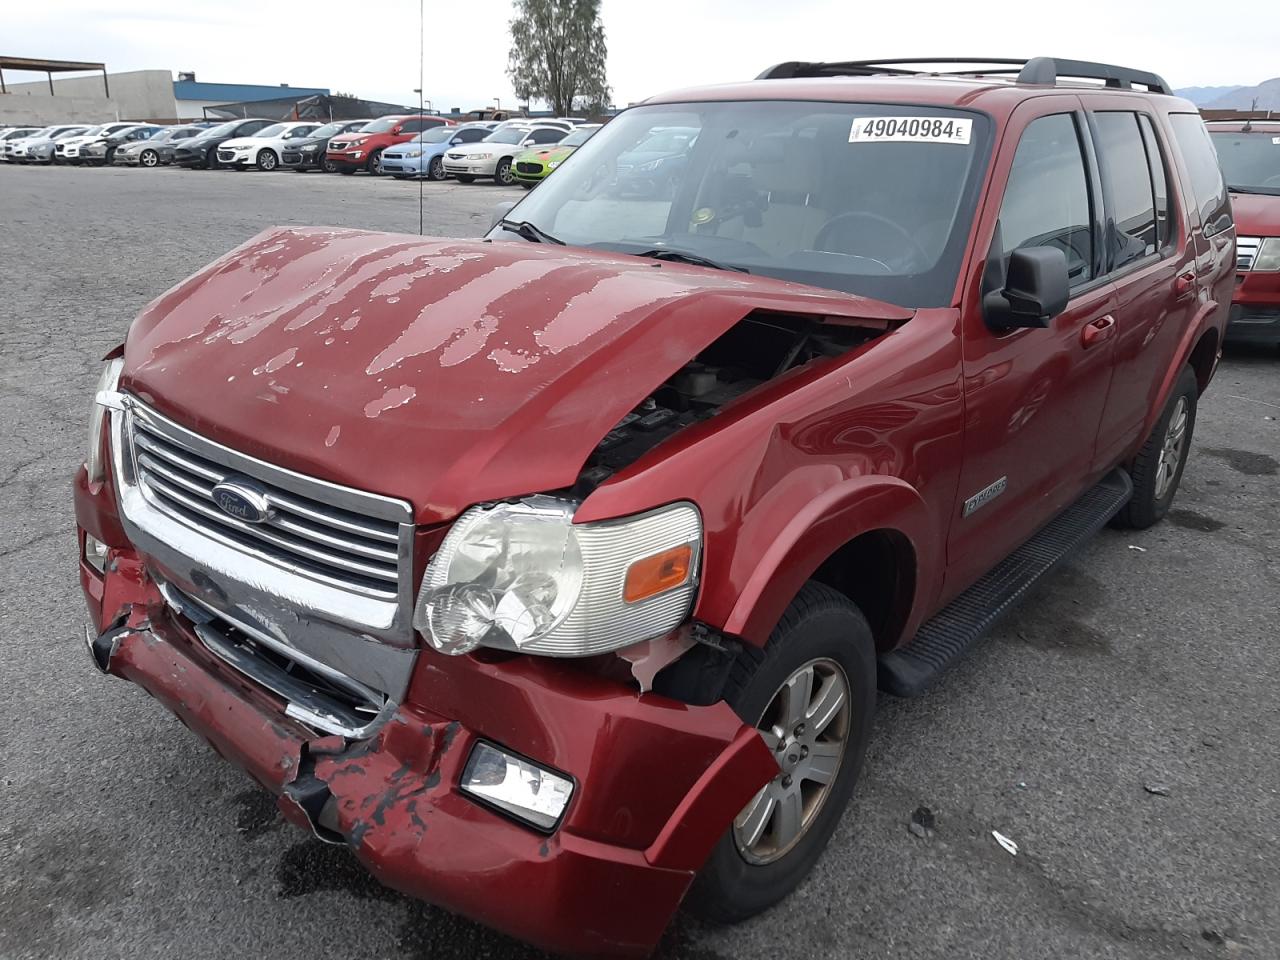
{"x":1043,"y":71}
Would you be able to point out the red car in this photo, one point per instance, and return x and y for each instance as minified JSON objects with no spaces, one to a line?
{"x":362,"y":149}
{"x":555,"y":573}
{"x":1249,"y":153}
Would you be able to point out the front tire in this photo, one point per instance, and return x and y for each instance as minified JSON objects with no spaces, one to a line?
{"x":328,"y":166}
{"x":811,"y":691}
{"x":1157,"y":469}
{"x":267,"y":159}
{"x":374,"y":166}
{"x":148,"y":158}
{"x":435,"y":169}
{"x":503,"y":174}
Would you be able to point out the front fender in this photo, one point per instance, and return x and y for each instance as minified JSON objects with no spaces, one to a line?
{"x":794,"y":543}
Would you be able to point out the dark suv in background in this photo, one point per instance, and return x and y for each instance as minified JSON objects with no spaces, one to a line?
{"x":1249,"y":152}
{"x":202,"y":149}
{"x":309,"y":153}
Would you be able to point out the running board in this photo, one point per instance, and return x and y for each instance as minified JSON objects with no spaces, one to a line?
{"x":940,"y":642}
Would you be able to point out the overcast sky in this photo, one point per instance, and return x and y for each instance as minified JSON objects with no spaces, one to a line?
{"x":370,"y":47}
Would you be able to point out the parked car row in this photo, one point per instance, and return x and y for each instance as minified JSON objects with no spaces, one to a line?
{"x":402,"y":145}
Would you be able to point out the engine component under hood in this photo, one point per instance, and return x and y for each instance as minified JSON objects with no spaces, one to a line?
{"x":445,"y":372}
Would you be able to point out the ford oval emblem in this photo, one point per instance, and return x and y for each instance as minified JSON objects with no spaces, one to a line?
{"x":243,"y":499}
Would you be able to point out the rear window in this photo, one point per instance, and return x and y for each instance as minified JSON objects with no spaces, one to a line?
{"x":1202,"y":165}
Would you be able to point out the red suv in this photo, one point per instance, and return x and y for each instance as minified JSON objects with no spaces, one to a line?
{"x":1249,"y":152}
{"x":362,"y":149}
{"x":555,"y":573}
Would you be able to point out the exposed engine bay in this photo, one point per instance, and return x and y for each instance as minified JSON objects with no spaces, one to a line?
{"x":757,"y":349}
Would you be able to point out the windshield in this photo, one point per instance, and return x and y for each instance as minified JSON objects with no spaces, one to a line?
{"x":328,"y":130}
{"x":506,"y":135}
{"x":89,"y":131}
{"x":874,"y":199}
{"x":380,"y":126}
{"x":1250,"y":161}
{"x":223,"y":129}
{"x":272,"y":131}
{"x":164,"y":133}
{"x":577,"y":138}
{"x":436,"y":135}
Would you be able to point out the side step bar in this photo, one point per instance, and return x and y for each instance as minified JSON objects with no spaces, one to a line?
{"x":907,"y":671}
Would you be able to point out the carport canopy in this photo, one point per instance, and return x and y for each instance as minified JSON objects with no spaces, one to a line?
{"x":49,"y":68}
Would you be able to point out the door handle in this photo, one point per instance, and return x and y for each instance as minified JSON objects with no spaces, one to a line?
{"x":1101,"y":329}
{"x":1184,"y":285}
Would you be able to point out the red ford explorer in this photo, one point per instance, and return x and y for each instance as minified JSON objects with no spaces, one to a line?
{"x":1250,"y":156}
{"x":362,"y":149}
{"x":555,"y":573}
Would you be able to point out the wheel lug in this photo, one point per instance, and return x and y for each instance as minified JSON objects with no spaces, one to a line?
{"x":786,"y":781}
{"x":792,"y":758}
{"x":799,"y":729}
{"x":804,"y":752}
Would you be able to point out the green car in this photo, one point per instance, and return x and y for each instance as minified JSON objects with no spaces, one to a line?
{"x":532,"y":166}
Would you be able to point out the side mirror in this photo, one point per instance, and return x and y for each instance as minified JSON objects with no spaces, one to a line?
{"x":500,"y":212}
{"x":1036,"y":289}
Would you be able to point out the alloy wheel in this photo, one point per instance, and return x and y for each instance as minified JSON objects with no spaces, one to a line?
{"x":1175,"y":438}
{"x":266,"y":160}
{"x":806,"y":725}
{"x":504,"y":175}
{"x":149,"y":158}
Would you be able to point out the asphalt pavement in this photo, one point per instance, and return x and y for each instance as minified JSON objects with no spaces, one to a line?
{"x":1121,"y":727}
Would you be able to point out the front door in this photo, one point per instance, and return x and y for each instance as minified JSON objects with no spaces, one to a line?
{"x":1033,"y":397}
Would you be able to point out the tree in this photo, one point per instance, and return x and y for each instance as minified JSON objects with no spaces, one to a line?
{"x":558,"y":53}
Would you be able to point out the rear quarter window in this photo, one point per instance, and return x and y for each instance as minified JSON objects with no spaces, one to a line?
{"x":1124,"y":156}
{"x":1201,"y":160}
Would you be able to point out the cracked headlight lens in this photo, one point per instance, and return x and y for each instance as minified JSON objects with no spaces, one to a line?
{"x":523,"y":576}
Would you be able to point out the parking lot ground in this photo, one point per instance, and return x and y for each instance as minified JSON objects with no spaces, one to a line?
{"x":1121,"y":726}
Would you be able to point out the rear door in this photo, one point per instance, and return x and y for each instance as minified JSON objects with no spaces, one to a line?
{"x":1151,"y":258}
{"x":1033,"y":397}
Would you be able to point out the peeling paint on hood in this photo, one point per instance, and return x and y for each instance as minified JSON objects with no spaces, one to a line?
{"x":455,"y":371}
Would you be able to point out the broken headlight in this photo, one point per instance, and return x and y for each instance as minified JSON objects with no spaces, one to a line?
{"x":523,"y":576}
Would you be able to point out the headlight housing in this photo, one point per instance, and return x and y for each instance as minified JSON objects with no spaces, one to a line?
{"x":523,"y":576}
{"x":94,"y":462}
{"x":1268,"y":258}
{"x":650,"y":166}
{"x":480,"y":156}
{"x":412,"y":153}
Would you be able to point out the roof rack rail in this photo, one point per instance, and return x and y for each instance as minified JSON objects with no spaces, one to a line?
{"x":1037,"y":70}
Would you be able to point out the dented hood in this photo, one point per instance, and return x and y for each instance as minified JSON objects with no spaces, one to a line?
{"x":445,"y":372}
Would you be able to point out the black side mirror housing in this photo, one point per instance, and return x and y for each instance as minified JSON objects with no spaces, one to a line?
{"x":1036,"y":289}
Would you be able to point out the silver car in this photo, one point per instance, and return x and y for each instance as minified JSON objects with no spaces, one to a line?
{"x":155,"y":150}
{"x":38,"y":148}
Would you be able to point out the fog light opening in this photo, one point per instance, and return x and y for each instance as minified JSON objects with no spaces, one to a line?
{"x":516,"y":786}
{"x":95,"y":553}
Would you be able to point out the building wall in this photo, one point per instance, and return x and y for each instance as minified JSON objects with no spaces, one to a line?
{"x":41,"y":109}
{"x":135,"y":95}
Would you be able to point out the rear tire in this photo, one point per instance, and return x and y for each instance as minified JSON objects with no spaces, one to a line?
{"x":1157,"y":469}
{"x":824,"y":633}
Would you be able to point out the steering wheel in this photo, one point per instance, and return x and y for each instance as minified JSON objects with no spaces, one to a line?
{"x":830,"y":227}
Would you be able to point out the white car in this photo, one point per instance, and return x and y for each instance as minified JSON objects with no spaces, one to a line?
{"x":13,"y":135}
{"x":39,"y":148}
{"x":492,"y":156}
{"x":69,"y":148}
{"x":263,"y":149}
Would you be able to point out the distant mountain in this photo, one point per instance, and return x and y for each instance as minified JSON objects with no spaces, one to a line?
{"x":1266,"y":93}
{"x":1201,"y":96}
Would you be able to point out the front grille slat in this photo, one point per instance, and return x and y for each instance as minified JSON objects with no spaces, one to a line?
{"x":261,"y":532}
{"x":363,"y":553}
{"x":1246,"y":252}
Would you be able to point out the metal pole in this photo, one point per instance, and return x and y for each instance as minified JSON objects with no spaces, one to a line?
{"x":106,"y":87}
{"x":49,"y":74}
{"x":3,"y":88}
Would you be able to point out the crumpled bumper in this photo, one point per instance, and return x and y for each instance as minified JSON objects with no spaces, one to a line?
{"x":657,"y":782}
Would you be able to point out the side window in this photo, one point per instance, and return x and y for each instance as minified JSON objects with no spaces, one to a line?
{"x":547,"y":136}
{"x":1124,"y":158}
{"x":252,"y":127}
{"x":1206,"y":176}
{"x":1046,"y":202}
{"x":472,"y":135}
{"x":411,"y":126}
{"x":1155,"y":158}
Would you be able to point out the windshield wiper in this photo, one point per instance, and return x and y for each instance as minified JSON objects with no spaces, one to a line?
{"x":1236,"y":188}
{"x":680,"y":256}
{"x":527,"y":230}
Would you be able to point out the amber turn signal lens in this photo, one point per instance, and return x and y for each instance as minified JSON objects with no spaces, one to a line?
{"x":653,"y":575}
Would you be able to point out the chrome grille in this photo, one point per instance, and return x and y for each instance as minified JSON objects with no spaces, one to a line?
{"x":1246,"y":252}
{"x":176,"y":472}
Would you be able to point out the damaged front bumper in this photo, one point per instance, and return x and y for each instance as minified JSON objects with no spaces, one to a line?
{"x":657,"y":781}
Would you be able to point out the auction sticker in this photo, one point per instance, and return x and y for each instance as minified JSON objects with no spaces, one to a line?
{"x":910,"y":130}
